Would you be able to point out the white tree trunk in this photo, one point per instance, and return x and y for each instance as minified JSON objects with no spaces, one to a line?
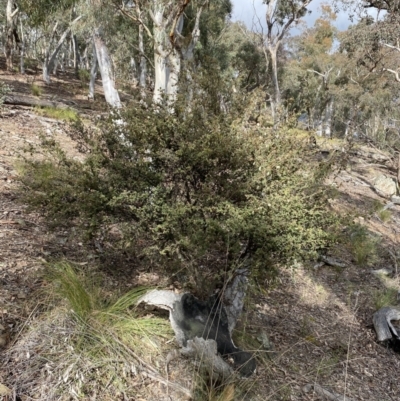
{"x":161,"y":67}
{"x":273,"y":50}
{"x":10,"y":14}
{"x":105,"y":66}
{"x":328,"y":119}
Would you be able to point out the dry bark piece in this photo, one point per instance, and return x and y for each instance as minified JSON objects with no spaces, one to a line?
{"x":329,"y":395}
{"x":4,"y":391}
{"x":332,"y":262}
{"x":382,"y":323}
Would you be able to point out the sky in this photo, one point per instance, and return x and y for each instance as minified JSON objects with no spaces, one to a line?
{"x":244,"y":11}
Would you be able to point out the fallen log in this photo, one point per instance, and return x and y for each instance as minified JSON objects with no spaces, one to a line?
{"x":382,"y":323}
{"x":30,"y":101}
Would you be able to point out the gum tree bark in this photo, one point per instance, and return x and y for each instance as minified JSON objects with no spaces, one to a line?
{"x":105,"y":66}
{"x":11,"y":12}
{"x":143,"y":64}
{"x":93,"y":74}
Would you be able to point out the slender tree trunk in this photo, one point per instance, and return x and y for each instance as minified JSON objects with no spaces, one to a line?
{"x":93,"y":75}
{"x":161,"y":67}
{"x":143,"y":65}
{"x":134,"y":71}
{"x":174,"y":63}
{"x":398,"y":169}
{"x":10,"y":14}
{"x":22,"y":53}
{"x":76,"y":55}
{"x":105,"y":66}
{"x":273,"y":50}
{"x":328,"y":119}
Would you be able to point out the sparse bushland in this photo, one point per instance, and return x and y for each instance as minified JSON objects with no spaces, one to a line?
{"x":197,"y":191}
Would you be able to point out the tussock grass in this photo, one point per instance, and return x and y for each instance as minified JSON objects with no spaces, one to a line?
{"x":87,"y":347}
{"x":58,"y":114}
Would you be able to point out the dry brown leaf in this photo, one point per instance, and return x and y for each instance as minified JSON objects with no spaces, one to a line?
{"x":4,"y":391}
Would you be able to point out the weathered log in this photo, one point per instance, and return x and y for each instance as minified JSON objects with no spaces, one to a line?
{"x":331,"y":261}
{"x":23,"y":100}
{"x":192,"y":318}
{"x":382,"y":323}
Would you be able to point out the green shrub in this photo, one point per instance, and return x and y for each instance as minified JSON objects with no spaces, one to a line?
{"x":4,"y":89}
{"x":84,"y":76}
{"x":195,"y":191}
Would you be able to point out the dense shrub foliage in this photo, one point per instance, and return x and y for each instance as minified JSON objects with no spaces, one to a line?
{"x":197,"y":191}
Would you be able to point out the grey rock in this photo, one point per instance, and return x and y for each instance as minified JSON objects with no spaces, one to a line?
{"x":382,"y":272}
{"x":395,"y":199}
{"x":384,"y":186}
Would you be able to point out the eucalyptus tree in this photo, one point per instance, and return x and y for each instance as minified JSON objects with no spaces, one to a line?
{"x":280,"y":16}
{"x":371,"y":91}
{"x":174,"y":28}
{"x":163,"y":22}
{"x":314,"y":68}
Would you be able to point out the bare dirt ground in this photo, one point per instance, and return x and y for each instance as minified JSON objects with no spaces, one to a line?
{"x":318,"y":318}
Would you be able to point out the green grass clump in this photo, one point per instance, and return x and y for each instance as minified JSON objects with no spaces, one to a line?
{"x":58,"y":114}
{"x":364,"y":246}
{"x":36,"y":90}
{"x":84,"y":76}
{"x":385,"y":297}
{"x":385,"y":215}
{"x":71,"y":288}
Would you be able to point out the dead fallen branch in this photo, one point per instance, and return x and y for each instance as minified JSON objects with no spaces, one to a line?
{"x":329,"y":395}
{"x":23,"y":100}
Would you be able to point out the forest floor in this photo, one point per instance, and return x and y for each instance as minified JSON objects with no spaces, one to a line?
{"x":318,"y":317}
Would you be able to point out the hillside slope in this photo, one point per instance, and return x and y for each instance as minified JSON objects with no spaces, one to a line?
{"x":318,"y":317}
